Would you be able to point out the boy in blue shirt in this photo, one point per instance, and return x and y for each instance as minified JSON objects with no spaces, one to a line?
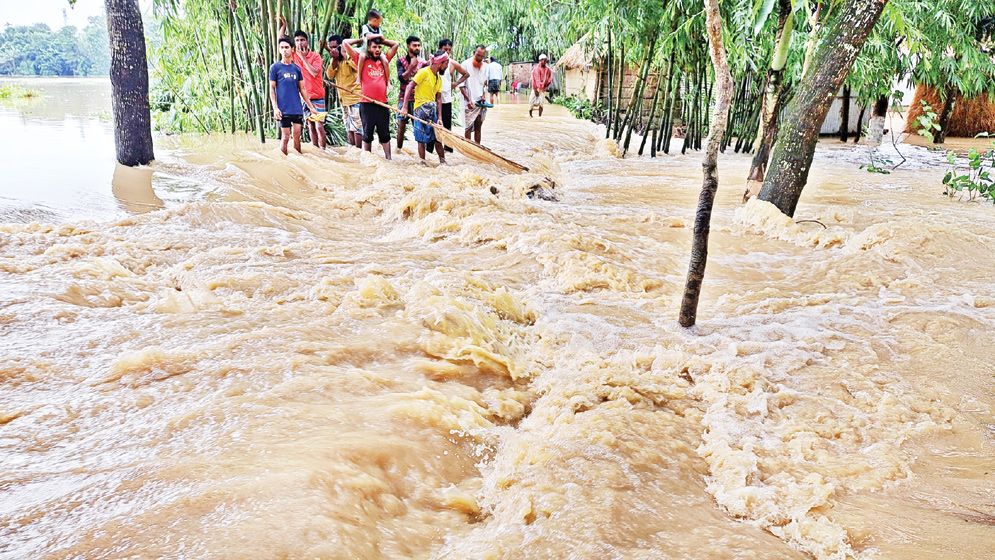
{"x":286,"y":88}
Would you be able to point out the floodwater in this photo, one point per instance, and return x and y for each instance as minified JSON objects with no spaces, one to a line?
{"x":334,"y":356}
{"x":57,"y":157}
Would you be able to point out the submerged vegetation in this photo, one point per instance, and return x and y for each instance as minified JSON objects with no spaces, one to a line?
{"x":16,"y":92}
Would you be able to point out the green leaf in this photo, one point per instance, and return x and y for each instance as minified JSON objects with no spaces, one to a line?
{"x":761,"y":11}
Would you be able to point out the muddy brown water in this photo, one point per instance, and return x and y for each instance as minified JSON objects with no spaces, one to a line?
{"x":334,"y":356}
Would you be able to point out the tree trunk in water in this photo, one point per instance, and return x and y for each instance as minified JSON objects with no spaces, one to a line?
{"x":948,"y":109}
{"x":845,"y":116}
{"x":875,"y":128}
{"x":773,"y":96}
{"x":831,"y":61}
{"x":710,"y":183}
{"x":129,"y":83}
{"x":860,"y":129}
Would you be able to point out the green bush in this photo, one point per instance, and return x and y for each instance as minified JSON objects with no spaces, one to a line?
{"x":580,"y":107}
{"x":976,"y":179}
{"x":926,"y":123}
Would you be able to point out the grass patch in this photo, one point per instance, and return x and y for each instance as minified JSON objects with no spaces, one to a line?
{"x":17,"y":92}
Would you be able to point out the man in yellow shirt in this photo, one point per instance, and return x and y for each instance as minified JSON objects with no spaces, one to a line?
{"x":342,"y":71}
{"x":426,"y":88}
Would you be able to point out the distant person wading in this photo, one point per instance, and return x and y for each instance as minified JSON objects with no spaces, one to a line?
{"x":542,"y":78}
{"x":495,"y":74}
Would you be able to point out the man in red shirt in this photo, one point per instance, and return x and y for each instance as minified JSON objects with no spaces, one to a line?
{"x":542,"y":78}
{"x":373,"y":89}
{"x":310,"y":64}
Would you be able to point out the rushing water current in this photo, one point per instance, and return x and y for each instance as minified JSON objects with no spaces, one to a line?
{"x":334,"y":356}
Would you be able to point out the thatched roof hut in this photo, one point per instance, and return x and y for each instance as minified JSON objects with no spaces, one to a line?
{"x":582,"y":54}
{"x":580,"y":68}
{"x":970,"y":117}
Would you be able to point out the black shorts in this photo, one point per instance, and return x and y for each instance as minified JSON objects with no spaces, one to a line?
{"x":493,"y":86}
{"x":288,"y":120}
{"x":375,"y":119}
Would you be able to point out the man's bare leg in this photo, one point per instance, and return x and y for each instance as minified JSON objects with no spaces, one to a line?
{"x":368,"y":146}
{"x":297,"y":138}
{"x":421,"y":151}
{"x":386,"y":149}
{"x":312,"y":132}
{"x":476,"y":129}
{"x":441,"y":150}
{"x":284,"y":139}
{"x":401,"y":127}
{"x":318,"y":139}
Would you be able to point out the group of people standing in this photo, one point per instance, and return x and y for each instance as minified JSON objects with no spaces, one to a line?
{"x":360,"y":71}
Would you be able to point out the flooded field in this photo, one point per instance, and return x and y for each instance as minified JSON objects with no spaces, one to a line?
{"x":334,"y":356}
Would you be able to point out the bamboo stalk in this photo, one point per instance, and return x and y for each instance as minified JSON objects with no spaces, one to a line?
{"x":608,"y":127}
{"x":620,"y":76}
{"x":246,"y":67}
{"x":636,"y":104}
{"x":656,"y":98}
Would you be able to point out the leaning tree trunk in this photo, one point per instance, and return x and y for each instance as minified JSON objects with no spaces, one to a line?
{"x":710,"y":183}
{"x":831,"y":61}
{"x":129,"y":83}
{"x":773,"y":96}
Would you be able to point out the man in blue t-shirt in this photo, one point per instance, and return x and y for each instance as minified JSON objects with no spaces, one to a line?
{"x":286,"y":89}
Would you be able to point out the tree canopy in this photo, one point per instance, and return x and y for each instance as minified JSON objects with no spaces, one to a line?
{"x":37,"y":50}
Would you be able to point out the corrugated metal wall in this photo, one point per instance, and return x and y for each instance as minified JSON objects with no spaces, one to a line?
{"x":834,"y":118}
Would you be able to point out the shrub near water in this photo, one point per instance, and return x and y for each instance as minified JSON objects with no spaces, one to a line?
{"x":976,"y":179}
{"x":17,"y":92}
{"x":579,"y":107}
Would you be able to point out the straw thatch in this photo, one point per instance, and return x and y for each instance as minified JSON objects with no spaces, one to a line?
{"x":582,"y":54}
{"x":970,"y":116}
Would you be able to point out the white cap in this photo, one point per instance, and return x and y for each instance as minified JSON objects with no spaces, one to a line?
{"x":543,"y":57}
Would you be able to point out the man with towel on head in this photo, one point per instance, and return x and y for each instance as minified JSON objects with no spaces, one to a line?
{"x":426,"y":89}
{"x":542,"y":78}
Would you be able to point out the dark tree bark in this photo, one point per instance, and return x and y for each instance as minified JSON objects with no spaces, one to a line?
{"x":710,"y":183}
{"x":773,"y":97}
{"x":845,"y":116}
{"x":949,"y":101}
{"x":129,"y":83}
{"x":880,"y":107}
{"x":831,"y":62}
{"x":860,"y":121}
